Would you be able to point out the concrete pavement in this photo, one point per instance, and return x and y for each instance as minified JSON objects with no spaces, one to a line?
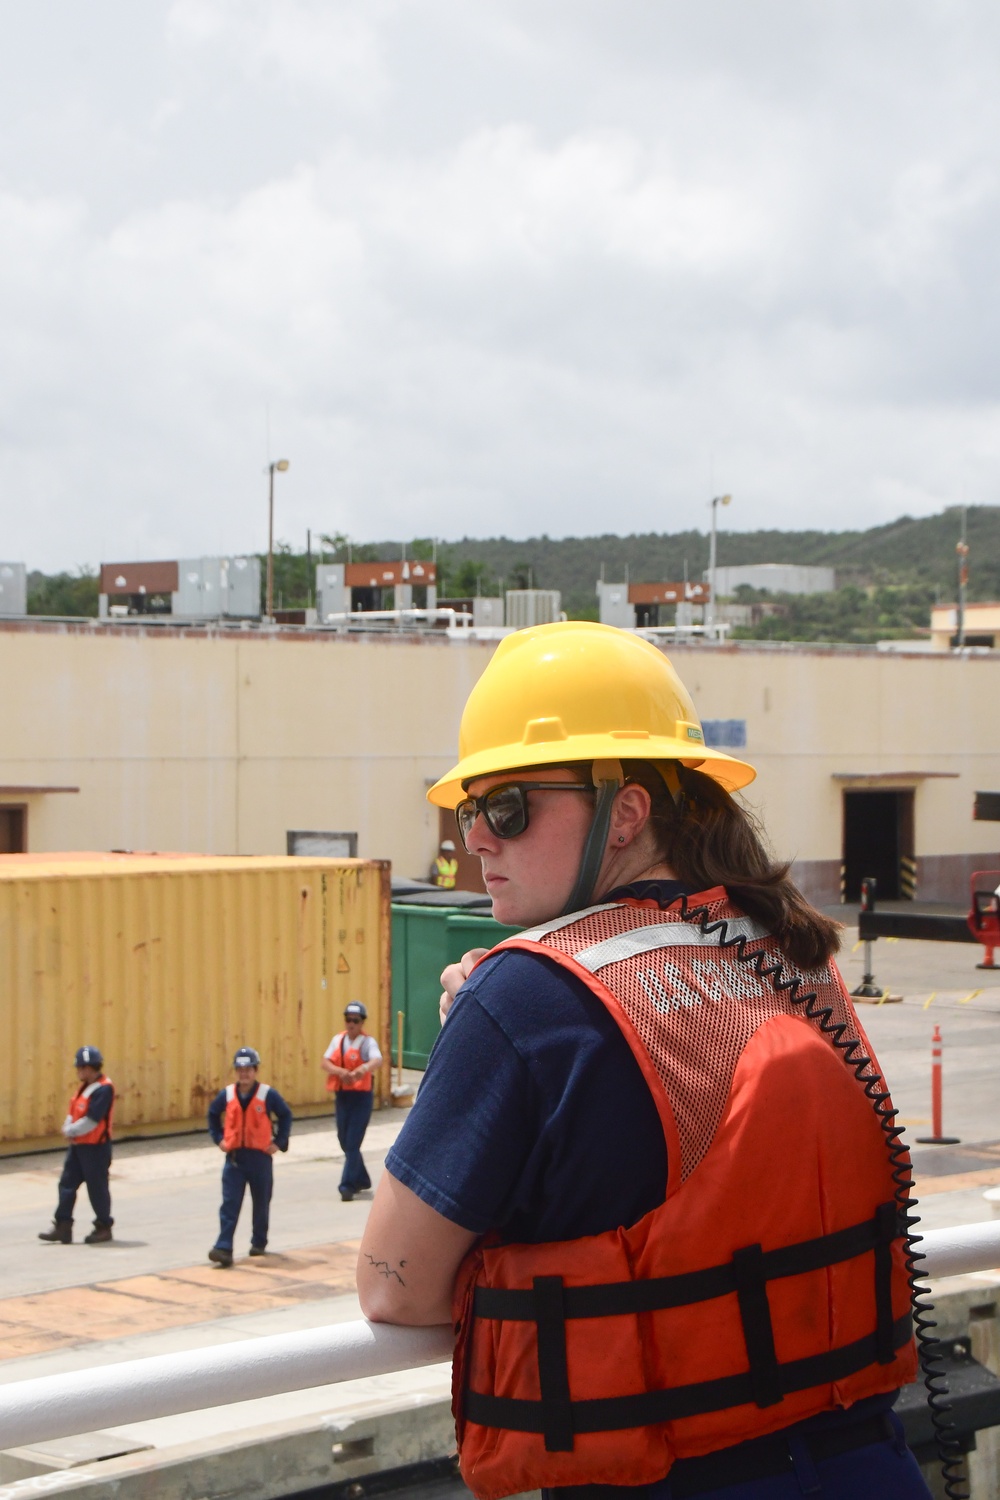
{"x":165,"y":1199}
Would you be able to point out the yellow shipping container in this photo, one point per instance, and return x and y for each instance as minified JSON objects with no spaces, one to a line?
{"x":168,"y":964}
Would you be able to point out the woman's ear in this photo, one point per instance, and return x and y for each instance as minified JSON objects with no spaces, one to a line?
{"x":629,"y":815}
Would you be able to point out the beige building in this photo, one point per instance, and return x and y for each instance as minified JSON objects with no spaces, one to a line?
{"x":224,"y":740}
{"x":981,"y":626}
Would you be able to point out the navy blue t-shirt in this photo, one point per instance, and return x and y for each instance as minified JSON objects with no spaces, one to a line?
{"x":100,"y":1101}
{"x":533,"y":1117}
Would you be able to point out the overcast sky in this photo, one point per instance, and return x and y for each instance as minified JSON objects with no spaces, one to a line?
{"x":491,"y":266}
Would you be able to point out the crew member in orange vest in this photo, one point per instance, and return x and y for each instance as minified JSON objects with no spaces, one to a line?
{"x":250,"y":1122}
{"x":652,"y":1174}
{"x":87,"y":1127}
{"x":444,"y":872}
{"x":349,"y":1062}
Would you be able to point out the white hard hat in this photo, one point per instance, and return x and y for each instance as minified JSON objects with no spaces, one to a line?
{"x":447,"y":844}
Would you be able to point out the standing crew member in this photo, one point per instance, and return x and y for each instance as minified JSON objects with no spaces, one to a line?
{"x":694,"y":1276}
{"x":349,"y":1062}
{"x":445,"y":870}
{"x":240,"y":1123}
{"x":87,"y":1127}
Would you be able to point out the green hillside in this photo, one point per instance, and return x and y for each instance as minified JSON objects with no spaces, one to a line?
{"x":907,"y":553}
{"x":916,"y":555}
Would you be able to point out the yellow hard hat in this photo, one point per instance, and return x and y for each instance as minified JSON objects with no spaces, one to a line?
{"x":578,"y":691}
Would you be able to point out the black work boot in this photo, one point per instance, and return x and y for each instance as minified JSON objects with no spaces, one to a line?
{"x":99,"y":1235}
{"x":61,"y":1232}
{"x":220,"y":1256}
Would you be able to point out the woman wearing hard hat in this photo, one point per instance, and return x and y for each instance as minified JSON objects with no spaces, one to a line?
{"x":644,"y":1176}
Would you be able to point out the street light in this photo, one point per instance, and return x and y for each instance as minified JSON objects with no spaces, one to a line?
{"x":281,"y":464}
{"x":962,"y":548}
{"x":710,"y":613}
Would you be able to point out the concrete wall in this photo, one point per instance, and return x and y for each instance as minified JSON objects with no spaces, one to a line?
{"x":779,"y":578}
{"x":219,"y":740}
{"x":13,"y":589}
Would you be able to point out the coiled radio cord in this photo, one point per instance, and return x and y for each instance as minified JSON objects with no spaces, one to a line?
{"x":949,"y":1450}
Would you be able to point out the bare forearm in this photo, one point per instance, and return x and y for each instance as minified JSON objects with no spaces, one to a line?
{"x":387,"y":1297}
{"x":409,"y":1259}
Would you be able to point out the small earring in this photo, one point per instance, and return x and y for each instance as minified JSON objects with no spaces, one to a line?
{"x":621,"y":838}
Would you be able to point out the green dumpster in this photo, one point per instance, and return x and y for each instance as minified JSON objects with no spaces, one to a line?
{"x":424,"y":940}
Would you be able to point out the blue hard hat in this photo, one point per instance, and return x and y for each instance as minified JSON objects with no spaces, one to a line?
{"x":88,"y":1057}
{"x":355,"y":1011}
{"x":247,"y":1057}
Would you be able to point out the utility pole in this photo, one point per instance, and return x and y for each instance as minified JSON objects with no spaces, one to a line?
{"x":710,"y":607}
{"x":962,"y":548}
{"x":281,"y":464}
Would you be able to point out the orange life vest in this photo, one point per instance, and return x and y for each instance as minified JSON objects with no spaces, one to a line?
{"x":250,"y":1128}
{"x":768,"y":1287}
{"x":78,"y":1108}
{"x":350,"y":1057}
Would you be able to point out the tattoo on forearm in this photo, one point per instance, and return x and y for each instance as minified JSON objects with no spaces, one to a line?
{"x":384,"y":1269}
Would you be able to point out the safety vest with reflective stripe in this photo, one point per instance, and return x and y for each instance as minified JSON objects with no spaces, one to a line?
{"x":768,"y":1287}
{"x":350,"y":1057}
{"x":445,"y":872}
{"x":78,"y":1108}
{"x":250,"y":1128}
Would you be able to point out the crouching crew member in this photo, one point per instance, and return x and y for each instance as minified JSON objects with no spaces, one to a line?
{"x":444,"y":871}
{"x":349,"y":1062}
{"x":87,"y":1127}
{"x":240,"y":1123}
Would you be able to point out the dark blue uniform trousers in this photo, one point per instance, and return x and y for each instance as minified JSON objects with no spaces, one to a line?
{"x":90,"y":1165}
{"x":245,"y":1169}
{"x":354,"y":1110}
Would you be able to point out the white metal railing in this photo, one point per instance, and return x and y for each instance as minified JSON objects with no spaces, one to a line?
{"x":33,"y":1411}
{"x":445,"y":615}
{"x":138,"y":1390}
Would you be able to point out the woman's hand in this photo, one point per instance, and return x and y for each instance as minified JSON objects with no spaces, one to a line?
{"x":454,"y":976}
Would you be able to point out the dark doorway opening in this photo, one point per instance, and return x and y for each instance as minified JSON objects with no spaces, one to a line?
{"x":878,"y":840}
{"x":647,"y":616}
{"x":13,"y":830}
{"x":366,"y":599}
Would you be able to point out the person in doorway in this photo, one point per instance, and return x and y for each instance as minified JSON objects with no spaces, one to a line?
{"x":619,"y":1181}
{"x":349,"y":1062}
{"x":87,"y":1128}
{"x":444,"y":872}
{"x":250,"y":1122}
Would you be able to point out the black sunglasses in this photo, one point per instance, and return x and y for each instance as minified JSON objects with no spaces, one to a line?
{"x":505,"y":807}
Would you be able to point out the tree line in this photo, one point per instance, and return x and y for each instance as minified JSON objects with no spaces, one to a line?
{"x":887,"y":576}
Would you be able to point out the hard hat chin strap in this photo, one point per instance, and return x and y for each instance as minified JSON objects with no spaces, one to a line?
{"x":608,"y":777}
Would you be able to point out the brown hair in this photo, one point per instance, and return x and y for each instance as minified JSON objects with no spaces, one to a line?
{"x":709,"y":839}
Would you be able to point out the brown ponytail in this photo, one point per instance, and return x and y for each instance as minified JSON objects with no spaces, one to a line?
{"x":709,"y":839}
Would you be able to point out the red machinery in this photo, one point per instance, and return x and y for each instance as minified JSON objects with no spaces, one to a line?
{"x":984,"y":913}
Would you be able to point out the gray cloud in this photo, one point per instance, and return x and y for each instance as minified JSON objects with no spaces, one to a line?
{"x":502,"y":267}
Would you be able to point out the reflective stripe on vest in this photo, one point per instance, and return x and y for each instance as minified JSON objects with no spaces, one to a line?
{"x":78,"y":1108}
{"x":768,"y":1287}
{"x":350,"y":1057}
{"x":250,"y":1128}
{"x":445,"y":872}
